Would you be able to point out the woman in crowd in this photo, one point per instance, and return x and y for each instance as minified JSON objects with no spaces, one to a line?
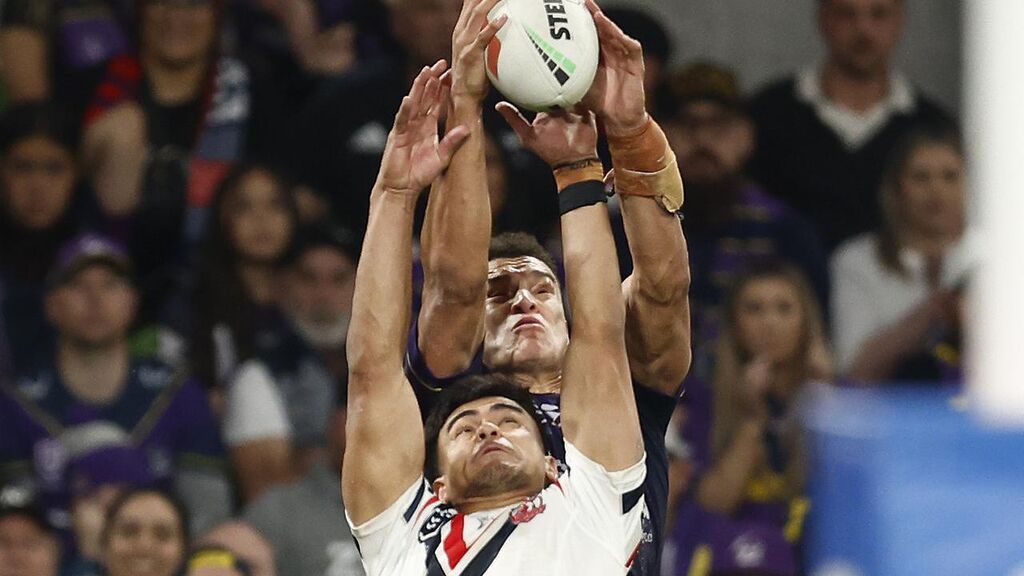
{"x":146,"y":534}
{"x":251,"y":226}
{"x":38,"y":189}
{"x":746,"y":505}
{"x":895,"y":291}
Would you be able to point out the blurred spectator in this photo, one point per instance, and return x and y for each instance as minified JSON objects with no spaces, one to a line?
{"x":894,"y":289}
{"x":279,"y":403}
{"x":96,"y":479}
{"x":37,"y":216}
{"x":301,"y":519}
{"x":216,"y":561}
{"x":743,"y":434}
{"x":730,"y":221}
{"x":162,"y":130}
{"x":252,"y":221}
{"x":92,"y":394}
{"x":146,"y":535}
{"x":28,"y":542}
{"x":246,"y":545}
{"x":824,"y":134}
{"x":55,"y":49}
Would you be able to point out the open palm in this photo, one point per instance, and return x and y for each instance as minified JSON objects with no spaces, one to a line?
{"x":617,"y":93}
{"x":414,"y":156}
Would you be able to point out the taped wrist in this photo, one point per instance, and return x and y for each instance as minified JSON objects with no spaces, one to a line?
{"x":580,"y":194}
{"x":645,"y":165}
{"x":579,"y":171}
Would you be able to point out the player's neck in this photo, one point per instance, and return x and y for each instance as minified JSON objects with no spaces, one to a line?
{"x":93,"y":374}
{"x":540,"y":381}
{"x":495,"y":502}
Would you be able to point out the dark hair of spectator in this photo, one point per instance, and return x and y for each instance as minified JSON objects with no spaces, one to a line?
{"x":890,"y":193}
{"x":641,"y":26}
{"x":221,"y":296}
{"x":518,"y":244}
{"x":37,"y":119}
{"x":127,"y":496}
{"x":464,"y":391}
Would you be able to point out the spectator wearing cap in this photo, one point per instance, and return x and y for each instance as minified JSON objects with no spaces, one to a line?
{"x":280,"y":402}
{"x":28,"y":542}
{"x":92,"y":393}
{"x":301,"y":519}
{"x":824,"y":134}
{"x":40,"y":211}
{"x":731,"y":222}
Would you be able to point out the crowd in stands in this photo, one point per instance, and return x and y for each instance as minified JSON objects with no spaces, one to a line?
{"x":184,"y":185}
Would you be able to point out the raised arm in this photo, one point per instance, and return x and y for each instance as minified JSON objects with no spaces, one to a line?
{"x":457,"y":229}
{"x":384,"y":451}
{"x":648,"y":182}
{"x":598,"y":409}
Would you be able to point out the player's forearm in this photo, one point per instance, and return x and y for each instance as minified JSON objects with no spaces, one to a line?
{"x":454,"y":246}
{"x":722,"y":488}
{"x":380,"y":304}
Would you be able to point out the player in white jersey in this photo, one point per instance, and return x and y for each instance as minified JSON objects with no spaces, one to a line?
{"x":495,"y":504}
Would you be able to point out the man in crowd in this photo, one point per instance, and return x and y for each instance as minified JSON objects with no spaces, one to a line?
{"x":731,"y":222}
{"x":824,"y":134}
{"x":475,"y":296}
{"x":92,"y":393}
{"x":500,"y":506}
{"x":280,"y":403}
{"x":28,"y":542}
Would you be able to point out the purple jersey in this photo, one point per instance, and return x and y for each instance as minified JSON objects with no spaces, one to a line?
{"x":654,"y":410}
{"x":159,"y":414}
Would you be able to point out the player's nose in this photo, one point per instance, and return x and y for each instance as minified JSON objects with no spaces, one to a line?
{"x":487,"y":430}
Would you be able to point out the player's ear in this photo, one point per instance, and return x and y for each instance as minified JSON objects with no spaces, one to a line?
{"x":440,"y":487}
{"x":550,"y":468}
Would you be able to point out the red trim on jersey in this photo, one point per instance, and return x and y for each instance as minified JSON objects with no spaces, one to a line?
{"x":454,"y":545}
{"x":425,"y":506}
{"x":556,"y":483}
{"x":632,"y":557}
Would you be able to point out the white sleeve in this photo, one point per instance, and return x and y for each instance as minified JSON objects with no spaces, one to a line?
{"x":254,"y":409}
{"x":853,"y":304}
{"x":609,"y":505}
{"x":384,"y":540}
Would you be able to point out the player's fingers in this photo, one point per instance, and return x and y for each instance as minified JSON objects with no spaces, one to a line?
{"x":515,"y":120}
{"x":487,"y":34}
{"x":416,"y":92}
{"x":439,"y":67}
{"x":592,"y":6}
{"x":451,"y":142}
{"x":481,"y":11}
{"x":430,"y":96}
{"x":402,"y":117}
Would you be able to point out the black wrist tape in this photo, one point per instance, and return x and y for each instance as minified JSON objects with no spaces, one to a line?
{"x":580,"y":194}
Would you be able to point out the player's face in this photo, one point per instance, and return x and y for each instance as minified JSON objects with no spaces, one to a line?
{"x":712,"y":141}
{"x":94,"y":309}
{"x":524,"y":321}
{"x":932,"y":187}
{"x":38,"y":178}
{"x":490,"y":447}
{"x":769,"y":320}
{"x":146,"y":539}
{"x":178,"y":32}
{"x":257,"y":218}
{"x":25,"y":549}
{"x":861,"y":34}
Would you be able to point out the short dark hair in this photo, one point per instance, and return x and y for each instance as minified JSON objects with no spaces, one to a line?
{"x":44,"y":119}
{"x":464,"y":391}
{"x":518,"y":244}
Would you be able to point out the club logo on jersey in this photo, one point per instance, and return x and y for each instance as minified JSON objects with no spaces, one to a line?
{"x":528,"y":510}
{"x":438,"y":518}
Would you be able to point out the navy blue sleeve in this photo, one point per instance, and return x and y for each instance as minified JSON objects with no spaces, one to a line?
{"x":424,"y":383}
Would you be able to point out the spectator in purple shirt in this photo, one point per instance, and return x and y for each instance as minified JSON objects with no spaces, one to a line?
{"x":730,"y":221}
{"x":746,"y":506}
{"x":92,"y":394}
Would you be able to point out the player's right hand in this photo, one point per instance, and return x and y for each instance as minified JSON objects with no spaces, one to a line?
{"x":470,"y":38}
{"x":559,"y":138}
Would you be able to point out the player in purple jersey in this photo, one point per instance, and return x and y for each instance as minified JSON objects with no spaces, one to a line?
{"x":509,"y":301}
{"x":499,"y":505}
{"x":93,"y":394}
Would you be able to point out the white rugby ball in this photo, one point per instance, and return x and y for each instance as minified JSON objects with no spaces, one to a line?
{"x":545,"y":56}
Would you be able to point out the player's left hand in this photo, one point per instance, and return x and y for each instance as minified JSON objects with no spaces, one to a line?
{"x":413,"y":157}
{"x":617,"y":94}
{"x":559,"y":138}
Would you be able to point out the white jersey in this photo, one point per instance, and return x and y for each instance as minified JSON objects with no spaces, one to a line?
{"x":586,"y":523}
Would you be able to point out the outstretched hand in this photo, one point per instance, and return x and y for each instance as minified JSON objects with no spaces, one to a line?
{"x":617,"y":94}
{"x":414,"y":157}
{"x":560,"y":137}
{"x":472,"y":34}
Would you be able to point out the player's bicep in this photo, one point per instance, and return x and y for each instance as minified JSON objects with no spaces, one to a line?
{"x":657,"y":340}
{"x":384,"y":446}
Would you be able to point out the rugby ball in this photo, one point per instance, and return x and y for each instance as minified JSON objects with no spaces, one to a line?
{"x":545,"y":56}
